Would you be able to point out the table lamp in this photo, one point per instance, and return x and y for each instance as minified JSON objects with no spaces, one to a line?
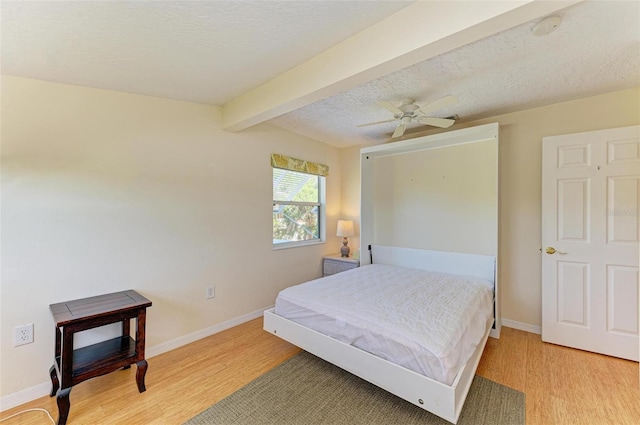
{"x":345,"y":228}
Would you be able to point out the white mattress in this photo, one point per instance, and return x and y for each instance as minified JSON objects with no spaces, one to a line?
{"x":425,"y":321}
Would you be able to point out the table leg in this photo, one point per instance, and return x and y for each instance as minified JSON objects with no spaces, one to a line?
{"x":140,"y":373}
{"x":63,"y":406}
{"x":126,"y":331}
{"x":55,"y":384}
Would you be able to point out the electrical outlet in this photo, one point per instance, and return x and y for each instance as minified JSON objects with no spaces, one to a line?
{"x":211,"y":292}
{"x":23,"y":334}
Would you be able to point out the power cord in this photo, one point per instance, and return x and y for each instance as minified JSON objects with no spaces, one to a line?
{"x":30,"y":410}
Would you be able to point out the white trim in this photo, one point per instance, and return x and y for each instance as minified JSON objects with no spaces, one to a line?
{"x":297,"y":244}
{"x":12,"y":400}
{"x":521,"y":326}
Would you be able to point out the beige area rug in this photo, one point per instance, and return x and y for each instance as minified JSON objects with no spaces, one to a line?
{"x":307,"y":390}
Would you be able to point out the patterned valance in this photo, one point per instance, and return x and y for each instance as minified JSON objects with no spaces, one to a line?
{"x":294,"y":164}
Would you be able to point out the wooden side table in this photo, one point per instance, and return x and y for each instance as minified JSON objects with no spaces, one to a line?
{"x":335,"y":263}
{"x":70,"y":367}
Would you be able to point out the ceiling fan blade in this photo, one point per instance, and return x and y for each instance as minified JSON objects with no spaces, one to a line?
{"x":437,"y":122}
{"x":389,"y":106}
{"x":437,"y":104}
{"x":376,"y":123}
{"x":399,"y":131}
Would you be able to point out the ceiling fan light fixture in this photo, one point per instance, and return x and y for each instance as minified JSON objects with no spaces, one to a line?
{"x":408,"y":106}
{"x":408,"y":112}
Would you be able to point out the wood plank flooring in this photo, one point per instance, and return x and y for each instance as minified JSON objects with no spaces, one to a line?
{"x":562,"y":385}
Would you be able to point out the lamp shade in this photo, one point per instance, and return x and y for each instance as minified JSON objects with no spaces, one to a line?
{"x":345,"y":228}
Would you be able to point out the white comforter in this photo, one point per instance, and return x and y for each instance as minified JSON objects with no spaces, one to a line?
{"x":425,"y":321}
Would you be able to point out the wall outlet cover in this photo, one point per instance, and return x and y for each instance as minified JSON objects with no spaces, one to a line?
{"x":23,"y":334}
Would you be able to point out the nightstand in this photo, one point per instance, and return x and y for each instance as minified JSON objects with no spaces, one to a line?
{"x":73,"y":366}
{"x":332,"y":264}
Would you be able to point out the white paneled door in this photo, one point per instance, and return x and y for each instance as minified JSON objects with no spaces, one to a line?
{"x":590,"y":236}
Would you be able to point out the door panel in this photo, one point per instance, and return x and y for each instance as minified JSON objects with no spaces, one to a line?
{"x":621,"y":151}
{"x":622,"y":300}
{"x":574,"y":156}
{"x":623,"y":197}
{"x":573,"y":293}
{"x":573,"y":210}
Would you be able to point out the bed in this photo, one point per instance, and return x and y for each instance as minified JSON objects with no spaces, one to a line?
{"x":379,"y":352}
{"x":351,"y":319}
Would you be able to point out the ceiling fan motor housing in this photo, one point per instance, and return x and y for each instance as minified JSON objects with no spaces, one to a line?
{"x":408,"y":108}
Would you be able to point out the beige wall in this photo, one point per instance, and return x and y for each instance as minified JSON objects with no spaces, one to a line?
{"x":350,"y":191}
{"x":521,"y":136}
{"x":105,"y":191}
{"x":449,"y":195}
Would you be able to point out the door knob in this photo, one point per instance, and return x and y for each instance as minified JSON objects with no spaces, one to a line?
{"x":552,"y":250}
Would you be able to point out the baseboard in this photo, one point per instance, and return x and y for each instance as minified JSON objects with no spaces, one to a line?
{"x":203,"y":333}
{"x":534,"y":329}
{"x":29,"y":394}
{"x":24,"y":396}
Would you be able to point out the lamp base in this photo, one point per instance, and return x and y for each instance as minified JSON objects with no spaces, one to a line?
{"x":344,"y":251}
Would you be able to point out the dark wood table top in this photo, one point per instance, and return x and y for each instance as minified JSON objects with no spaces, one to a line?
{"x":68,"y":312}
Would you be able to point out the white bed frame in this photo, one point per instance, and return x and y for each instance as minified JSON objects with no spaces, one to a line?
{"x":443,"y":400}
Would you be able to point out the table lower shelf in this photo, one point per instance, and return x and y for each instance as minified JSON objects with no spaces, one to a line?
{"x":99,"y":359}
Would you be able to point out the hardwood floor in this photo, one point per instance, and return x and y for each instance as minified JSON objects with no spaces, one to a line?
{"x":562,"y":385}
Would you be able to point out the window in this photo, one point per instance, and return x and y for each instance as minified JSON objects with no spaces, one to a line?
{"x":298,"y":216}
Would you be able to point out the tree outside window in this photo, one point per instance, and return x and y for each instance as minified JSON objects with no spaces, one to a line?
{"x":297,"y":208}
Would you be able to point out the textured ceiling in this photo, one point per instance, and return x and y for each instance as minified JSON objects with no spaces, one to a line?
{"x":214,"y":51}
{"x":200,"y":51}
{"x":596,"y":49}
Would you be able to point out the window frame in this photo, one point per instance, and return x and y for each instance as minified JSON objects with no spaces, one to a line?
{"x":321,"y":213}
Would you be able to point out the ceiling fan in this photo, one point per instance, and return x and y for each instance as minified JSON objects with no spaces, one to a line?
{"x":409,"y":112}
